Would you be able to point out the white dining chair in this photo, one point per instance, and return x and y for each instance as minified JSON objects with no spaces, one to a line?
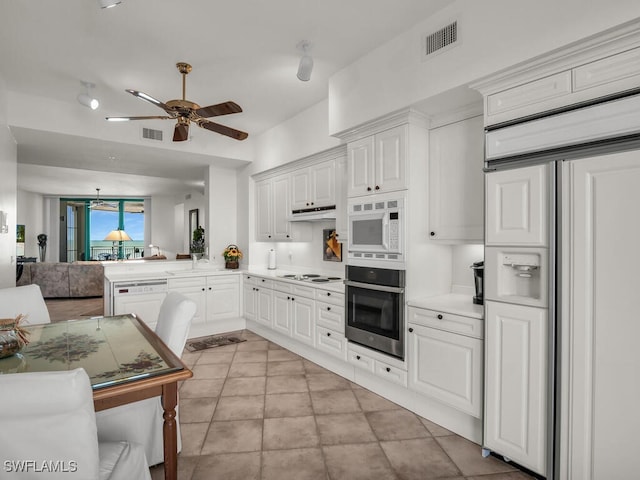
{"x":49,"y":431}
{"x":26,"y":300}
{"x":143,"y":421}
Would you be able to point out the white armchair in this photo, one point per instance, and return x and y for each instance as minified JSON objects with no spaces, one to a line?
{"x":26,"y":300}
{"x":143,"y":421}
{"x":49,"y":431}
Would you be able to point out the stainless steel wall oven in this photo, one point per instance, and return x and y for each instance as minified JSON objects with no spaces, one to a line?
{"x":375,"y":308}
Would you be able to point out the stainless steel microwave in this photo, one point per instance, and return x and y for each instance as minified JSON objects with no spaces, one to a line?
{"x":377,"y":230}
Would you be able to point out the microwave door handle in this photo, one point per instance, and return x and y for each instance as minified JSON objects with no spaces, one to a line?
{"x":385,"y":232}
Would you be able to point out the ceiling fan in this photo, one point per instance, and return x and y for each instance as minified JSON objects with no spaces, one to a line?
{"x":98,"y":202}
{"x":186,"y":112}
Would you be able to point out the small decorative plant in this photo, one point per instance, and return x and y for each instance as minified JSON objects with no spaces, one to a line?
{"x":232,"y":256}
{"x":197,"y":243}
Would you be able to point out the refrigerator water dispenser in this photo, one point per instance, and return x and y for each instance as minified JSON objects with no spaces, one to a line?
{"x":518,"y":275}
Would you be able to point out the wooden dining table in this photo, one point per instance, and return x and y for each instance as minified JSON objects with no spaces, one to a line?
{"x":125,"y":360}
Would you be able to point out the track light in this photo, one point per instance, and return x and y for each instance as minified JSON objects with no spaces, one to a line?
{"x":86,"y":99}
{"x":109,"y":3}
{"x":306,"y":62}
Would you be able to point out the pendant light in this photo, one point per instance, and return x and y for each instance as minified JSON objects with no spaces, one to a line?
{"x":86,"y":99}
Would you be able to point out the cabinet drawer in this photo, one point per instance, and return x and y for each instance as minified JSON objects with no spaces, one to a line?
{"x":187,"y":282}
{"x":283,"y":287}
{"x":223,"y":280}
{"x":249,"y":279}
{"x":607,"y":70}
{"x":360,"y":360}
{"x":330,"y":341}
{"x":330,"y":297}
{"x":471,"y":327}
{"x":264,"y":283}
{"x":302,"y":291}
{"x":330,"y":316}
{"x":391,"y":373}
{"x":526,"y":97}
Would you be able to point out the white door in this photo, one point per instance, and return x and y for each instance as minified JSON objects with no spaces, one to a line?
{"x":265,"y":300}
{"x":199,"y":296}
{"x":515,"y":423}
{"x":223,"y":297}
{"x":456,"y":181}
{"x":446,"y":366}
{"x":517,"y":207}
{"x":323,"y":180}
{"x":249,"y":302}
{"x":300,"y":189}
{"x":390,"y":160}
{"x":360,"y":167}
{"x":282,"y":313}
{"x":303,"y":316}
{"x":342,"y":221}
{"x":264,"y":220}
{"x":281,"y":228}
{"x":600,"y":320}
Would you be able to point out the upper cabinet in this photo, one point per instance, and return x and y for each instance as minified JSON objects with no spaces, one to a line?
{"x":314,"y":186}
{"x":378,"y":163}
{"x":456,"y":181}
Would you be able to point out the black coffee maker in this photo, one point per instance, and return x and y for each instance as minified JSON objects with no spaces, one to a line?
{"x":478,"y":277}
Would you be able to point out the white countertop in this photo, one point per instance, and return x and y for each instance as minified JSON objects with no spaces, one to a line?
{"x":336,"y":286}
{"x":454,"y":303}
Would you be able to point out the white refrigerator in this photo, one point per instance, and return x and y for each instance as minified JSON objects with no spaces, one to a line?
{"x":562,"y":292}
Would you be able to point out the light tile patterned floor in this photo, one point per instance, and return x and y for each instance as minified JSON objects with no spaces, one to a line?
{"x":256,"y":411}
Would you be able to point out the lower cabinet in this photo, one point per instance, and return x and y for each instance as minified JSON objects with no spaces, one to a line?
{"x":194,"y":288}
{"x":223,"y":297}
{"x":258,"y":300}
{"x":294,"y":316}
{"x":516,"y":384}
{"x":381,"y":365}
{"x":446,"y":366}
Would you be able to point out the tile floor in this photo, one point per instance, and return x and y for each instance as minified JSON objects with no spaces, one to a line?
{"x":256,"y":411}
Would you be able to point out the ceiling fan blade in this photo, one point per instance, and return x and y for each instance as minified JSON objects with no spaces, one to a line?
{"x":149,"y":99}
{"x":223,"y":130}
{"x":181,"y":132}
{"x":220,"y":109}
{"x":126,"y":119}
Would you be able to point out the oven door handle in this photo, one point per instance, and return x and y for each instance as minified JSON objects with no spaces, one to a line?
{"x":370,"y":286}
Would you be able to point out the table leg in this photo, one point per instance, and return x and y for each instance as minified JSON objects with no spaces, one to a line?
{"x":170,"y":431}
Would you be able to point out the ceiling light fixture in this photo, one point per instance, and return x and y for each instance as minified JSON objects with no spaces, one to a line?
{"x":86,"y":99}
{"x":109,"y":3}
{"x":306,"y":61}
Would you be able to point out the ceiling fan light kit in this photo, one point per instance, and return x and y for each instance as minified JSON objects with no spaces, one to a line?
{"x":185,"y":112}
{"x":306,"y":62}
{"x":86,"y":99}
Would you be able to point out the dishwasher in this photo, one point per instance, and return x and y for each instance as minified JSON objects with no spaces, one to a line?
{"x":142,"y":297}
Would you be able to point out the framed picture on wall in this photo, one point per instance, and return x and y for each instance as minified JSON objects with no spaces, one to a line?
{"x":194,"y":221}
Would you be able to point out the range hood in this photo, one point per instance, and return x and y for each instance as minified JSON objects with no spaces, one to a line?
{"x":314,"y":214}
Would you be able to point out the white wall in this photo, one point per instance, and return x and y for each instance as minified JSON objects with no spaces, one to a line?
{"x":223,"y":214}
{"x":463,"y":257}
{"x":8,"y":193}
{"x":495,"y":34}
{"x":161,"y":216}
{"x":30,"y":214}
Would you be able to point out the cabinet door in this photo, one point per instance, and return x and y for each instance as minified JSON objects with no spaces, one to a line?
{"x":360,"y":167}
{"x":303,"y":320}
{"x":600,"y":327}
{"x":517,"y":206}
{"x":456,"y":181}
{"x":342,"y":221}
{"x":282,"y":313}
{"x":265,"y":301}
{"x":390,"y":160}
{"x":447,"y":367}
{"x":515,"y":422}
{"x":300,"y":189}
{"x":264,"y":212}
{"x":281,"y":229}
{"x":223,"y":297}
{"x":323,"y":180}
{"x":146,"y":306}
{"x":249,"y":302}
{"x":199,"y":296}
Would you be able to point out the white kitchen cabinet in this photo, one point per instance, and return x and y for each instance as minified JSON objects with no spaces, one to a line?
{"x":516,"y":383}
{"x":258,"y":299}
{"x":446,"y":366}
{"x":282,"y":312}
{"x":342,"y":220}
{"x":378,"y":163}
{"x":456,"y":181}
{"x":314,"y":186}
{"x":223,"y":297}
{"x":516,"y":203}
{"x":382,"y":366}
{"x":294,"y":311}
{"x":273,"y":209}
{"x":195,"y":289}
{"x":303,"y":324}
{"x":146,"y":306}
{"x":249,"y":300}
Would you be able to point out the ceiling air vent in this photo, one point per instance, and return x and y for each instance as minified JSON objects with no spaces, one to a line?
{"x":441,"y":39}
{"x":152,"y":134}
